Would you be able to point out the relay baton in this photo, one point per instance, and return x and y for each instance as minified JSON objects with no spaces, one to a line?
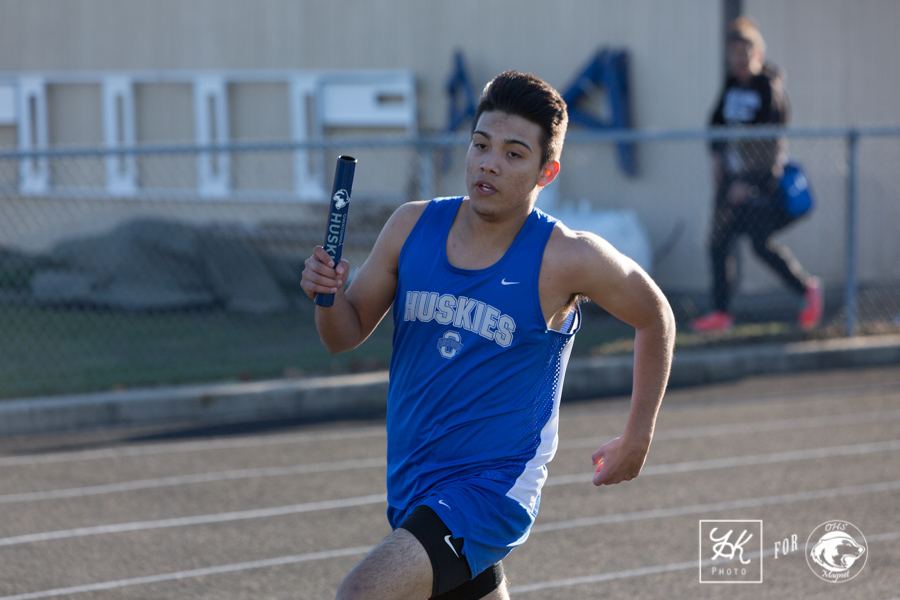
{"x":337,"y":216}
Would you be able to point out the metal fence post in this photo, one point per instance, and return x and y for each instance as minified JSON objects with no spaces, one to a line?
{"x":426,"y":171}
{"x":850,"y":298}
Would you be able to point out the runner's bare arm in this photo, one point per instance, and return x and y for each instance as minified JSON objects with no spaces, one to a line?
{"x":358,"y":309}
{"x":587,"y":265}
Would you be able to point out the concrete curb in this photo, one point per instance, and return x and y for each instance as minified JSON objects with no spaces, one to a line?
{"x":365,"y":395}
{"x":700,"y":367}
{"x":315,"y":398}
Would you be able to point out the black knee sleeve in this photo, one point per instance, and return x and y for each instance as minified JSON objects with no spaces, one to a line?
{"x":452,"y":579}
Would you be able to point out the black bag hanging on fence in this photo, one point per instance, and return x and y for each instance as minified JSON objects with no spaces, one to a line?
{"x":797,"y":195}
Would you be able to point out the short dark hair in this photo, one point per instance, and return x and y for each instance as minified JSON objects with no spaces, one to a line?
{"x":529,"y":97}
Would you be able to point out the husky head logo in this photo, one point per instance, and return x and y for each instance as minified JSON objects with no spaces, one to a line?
{"x":449,"y":344}
{"x":836,"y":551}
{"x":341,"y":199}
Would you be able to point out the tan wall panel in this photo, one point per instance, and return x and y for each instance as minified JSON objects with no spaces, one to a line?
{"x":842,"y":68}
{"x":839,"y":55}
{"x":673,"y":45}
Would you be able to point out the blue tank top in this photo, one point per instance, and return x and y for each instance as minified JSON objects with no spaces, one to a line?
{"x":476,"y":375}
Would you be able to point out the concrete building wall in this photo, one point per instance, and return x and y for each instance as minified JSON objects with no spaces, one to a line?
{"x":674,"y":46}
{"x":841,"y":59}
{"x":839,"y":55}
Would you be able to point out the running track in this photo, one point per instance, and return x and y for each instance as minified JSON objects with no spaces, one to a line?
{"x":284,"y":512}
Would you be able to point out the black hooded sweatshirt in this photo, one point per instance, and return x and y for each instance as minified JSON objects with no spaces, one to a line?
{"x":763,"y":101}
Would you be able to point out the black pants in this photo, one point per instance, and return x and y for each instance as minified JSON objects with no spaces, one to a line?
{"x":758,"y":221}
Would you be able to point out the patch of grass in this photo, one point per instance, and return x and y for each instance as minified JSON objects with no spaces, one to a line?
{"x":65,"y":350}
{"x":47,"y":351}
{"x":52,"y":351}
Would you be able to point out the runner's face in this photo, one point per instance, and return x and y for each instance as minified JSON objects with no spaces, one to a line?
{"x":503,"y":165}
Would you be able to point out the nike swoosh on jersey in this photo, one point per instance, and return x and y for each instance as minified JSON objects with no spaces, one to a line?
{"x":505,"y":282}
{"x":447,"y":539}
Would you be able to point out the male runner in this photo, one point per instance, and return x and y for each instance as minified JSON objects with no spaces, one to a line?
{"x":485,"y":291}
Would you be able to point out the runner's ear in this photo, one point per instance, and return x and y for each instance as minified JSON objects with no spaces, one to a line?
{"x":548,"y":173}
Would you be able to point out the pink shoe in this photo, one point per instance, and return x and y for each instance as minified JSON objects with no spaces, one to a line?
{"x":716,"y":321}
{"x":811,"y":314}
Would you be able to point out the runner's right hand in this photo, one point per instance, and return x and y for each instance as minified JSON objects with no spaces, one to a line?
{"x":320,"y":275}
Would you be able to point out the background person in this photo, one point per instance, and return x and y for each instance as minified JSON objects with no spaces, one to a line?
{"x":746,"y":172}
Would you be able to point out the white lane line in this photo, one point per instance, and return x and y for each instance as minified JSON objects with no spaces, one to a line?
{"x":684,"y":467}
{"x":743,"y":461}
{"x":641,"y":572}
{"x":692,"y":432}
{"x":654,"y":570}
{"x":378,"y":431}
{"x":603,"y":408}
{"x":261,"y":513}
{"x":680,"y":511}
{"x":200,"y":446}
{"x":286,"y":560}
{"x":378,"y":498}
{"x":145,"y":484}
{"x":163,"y":577}
{"x":753,"y":427}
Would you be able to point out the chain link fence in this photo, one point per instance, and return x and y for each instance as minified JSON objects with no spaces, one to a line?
{"x":159,"y":278}
{"x":848,"y":240}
